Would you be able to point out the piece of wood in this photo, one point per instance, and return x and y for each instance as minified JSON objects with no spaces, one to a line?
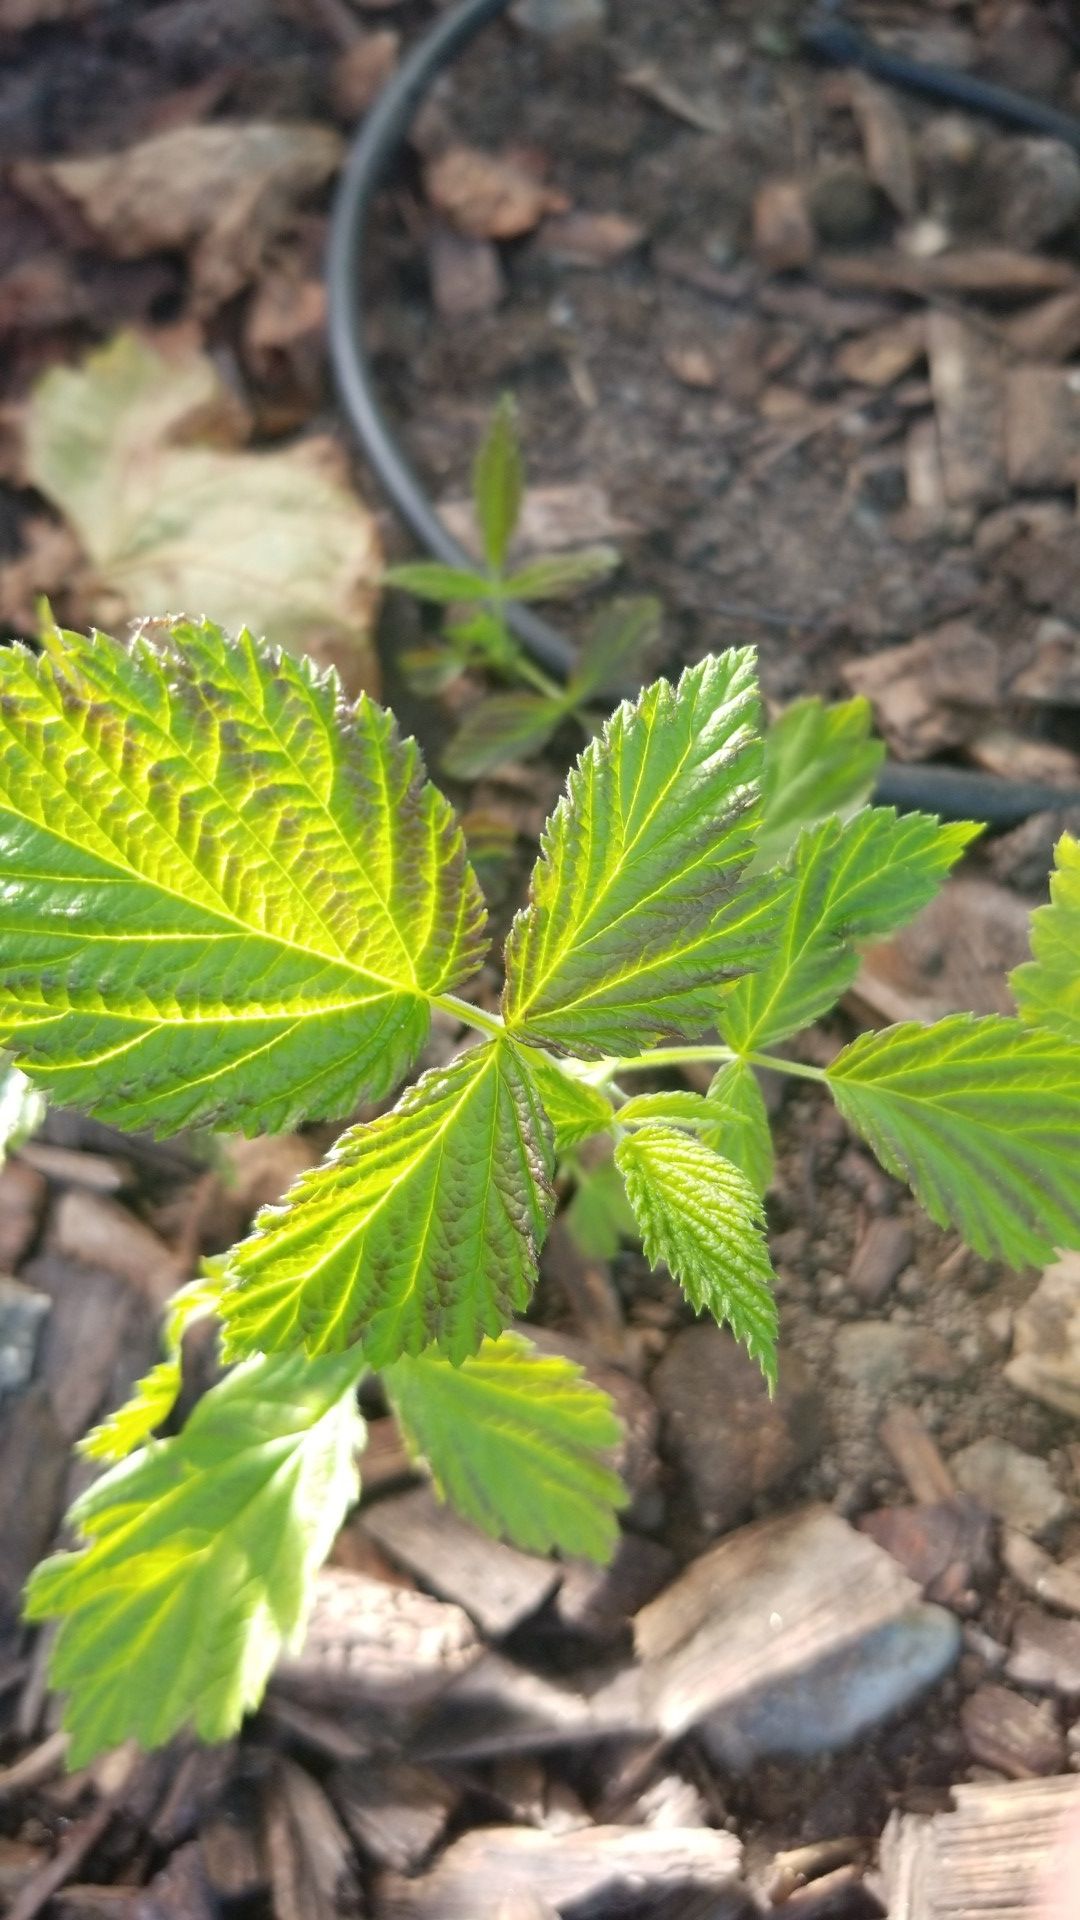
{"x":1045,"y":1653}
{"x":83,"y":1335}
{"x":774,"y":1641}
{"x":917,"y":1455}
{"x":583,"y":1871}
{"x":385,"y":1649}
{"x":1012,"y":1734}
{"x":396,"y":1812}
{"x":967,"y":378}
{"x":23,"y":1192}
{"x":102,"y":1172}
{"x":1046,"y":1331}
{"x":499,"y":1707}
{"x":498,"y":1585}
{"x":986,"y":1860}
{"x":312,"y":1872}
{"x":179,"y":1892}
{"x":1055,"y":1583}
{"x":232,"y":1858}
{"x":100,"y":1232}
{"x":33,"y":1471}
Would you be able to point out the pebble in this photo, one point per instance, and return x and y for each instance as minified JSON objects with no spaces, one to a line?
{"x":1046,"y":1351}
{"x":881,"y":1355}
{"x":1039,"y":191}
{"x":1045,"y":1653}
{"x":884,"y":1250}
{"x":22,"y":1316}
{"x":1016,"y":1487}
{"x":1018,"y":1737}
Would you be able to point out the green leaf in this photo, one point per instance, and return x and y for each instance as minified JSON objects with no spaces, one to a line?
{"x":982,"y":1118}
{"x":635,"y":911}
{"x":199,"y":1558}
{"x":1047,"y":987}
{"x":598,"y":1216}
{"x":680,"y":1105}
{"x":515,"y":1441}
{"x":849,"y":882}
{"x":818,"y":760}
{"x":741,"y":1132}
{"x":153,"y":1398}
{"x":423,"y":1226}
{"x":228,"y":893}
{"x":430,"y":669}
{"x":620,"y":638}
{"x":699,"y":1215}
{"x":575,"y":1109}
{"x":499,"y":484}
{"x":560,"y":575}
{"x":431,"y":580}
{"x":501,"y":726}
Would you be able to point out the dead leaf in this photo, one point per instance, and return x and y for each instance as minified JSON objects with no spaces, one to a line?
{"x":590,"y":239}
{"x":488,"y":196}
{"x":890,"y":159}
{"x":783,"y":231}
{"x":220,"y":192}
{"x":361,"y":72}
{"x":884,"y":354}
{"x":274,"y":541}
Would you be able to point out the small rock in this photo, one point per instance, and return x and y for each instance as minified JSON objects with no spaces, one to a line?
{"x":1056,"y":1583}
{"x":1042,"y":426}
{"x":942,"y":1545}
{"x":466,"y":274}
{"x":361,"y":72}
{"x":846,"y":207}
{"x":489,"y":196}
{"x":590,"y":239}
{"x":1046,"y":1352}
{"x":1005,"y":1731}
{"x":22,"y":1313}
{"x":1038,"y":190}
{"x":886,"y":353}
{"x":730,"y":1440}
{"x":1053,"y":671}
{"x":1023,"y":858}
{"x":101,"y":1233}
{"x":913,"y":688}
{"x":1045,"y":1653}
{"x":1014,"y":756}
{"x":1014,"y":1486}
{"x":880,"y":1355}
{"x":967,"y":378}
{"x":783,"y":231}
{"x":884,"y":1250}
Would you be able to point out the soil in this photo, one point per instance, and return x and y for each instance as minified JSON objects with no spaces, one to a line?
{"x":763,"y":494}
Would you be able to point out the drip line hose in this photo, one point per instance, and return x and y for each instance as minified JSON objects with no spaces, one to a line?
{"x":951,"y":792}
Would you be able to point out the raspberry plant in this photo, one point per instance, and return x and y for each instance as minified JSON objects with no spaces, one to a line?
{"x":232,"y":899}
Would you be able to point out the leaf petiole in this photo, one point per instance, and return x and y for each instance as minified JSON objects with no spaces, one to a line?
{"x":723,"y":1056}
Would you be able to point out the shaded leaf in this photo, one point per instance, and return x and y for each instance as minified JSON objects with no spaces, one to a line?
{"x":153,"y":1398}
{"x":741,"y":1130}
{"x":422,"y":1226}
{"x":818,"y":760}
{"x":575,"y":1109}
{"x":499,"y":484}
{"x":635,"y":910}
{"x":500,"y":727}
{"x":699,"y":1215}
{"x":599,"y":1217}
{"x":515,"y":1441}
{"x":848,"y":882}
{"x":228,"y":894}
{"x":559,"y":575}
{"x":432,"y":580}
{"x":982,"y":1118}
{"x":615,"y":647}
{"x":199,"y":1558}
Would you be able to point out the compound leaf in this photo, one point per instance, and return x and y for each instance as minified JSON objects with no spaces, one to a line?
{"x":635,"y":911}
{"x":499,"y":484}
{"x":575,"y":1109}
{"x":739,"y":1128}
{"x":1047,"y":987}
{"x":199,"y":1557}
{"x":558,"y":576}
{"x":818,"y":760}
{"x":701,"y":1217}
{"x":515,"y":1441}
{"x":432,"y":580}
{"x":422,"y":1226}
{"x":982,"y":1118}
{"x":501,"y":726}
{"x":227,"y":893}
{"x":849,"y":881}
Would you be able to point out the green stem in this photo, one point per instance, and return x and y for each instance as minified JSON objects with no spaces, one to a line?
{"x":471,"y":1016}
{"x":720,"y":1056}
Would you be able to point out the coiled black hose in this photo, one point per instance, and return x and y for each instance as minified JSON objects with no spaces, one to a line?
{"x":950,"y":792}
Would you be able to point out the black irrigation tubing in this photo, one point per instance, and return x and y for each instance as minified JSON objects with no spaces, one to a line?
{"x":950,"y":792}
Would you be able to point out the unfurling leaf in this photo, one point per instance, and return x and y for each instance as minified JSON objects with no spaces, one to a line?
{"x":982,"y":1118}
{"x":200,"y":1556}
{"x":700,"y":1215}
{"x":499,"y":484}
{"x":502,"y":726}
{"x":1047,"y":987}
{"x":848,"y":882}
{"x":576,"y":1110}
{"x":614,"y":648}
{"x":228,"y":894}
{"x":819,"y":760}
{"x":635,"y":910}
{"x":740,"y":1131}
{"x":515,"y":1441}
{"x":423,"y":1226}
